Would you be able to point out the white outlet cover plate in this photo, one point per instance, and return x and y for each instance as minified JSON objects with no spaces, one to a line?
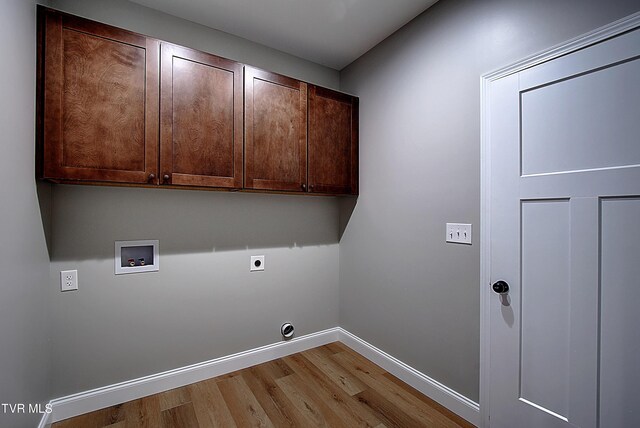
{"x":68,"y":280}
{"x":260,"y":260}
{"x":459,"y":233}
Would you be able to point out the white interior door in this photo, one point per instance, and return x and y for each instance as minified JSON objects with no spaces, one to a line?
{"x":565,"y":235}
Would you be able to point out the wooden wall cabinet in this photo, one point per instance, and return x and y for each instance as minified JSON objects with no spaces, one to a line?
{"x":275,"y":132}
{"x":299,"y":137}
{"x":201,"y":119}
{"x":106,"y":117}
{"x":120,"y":108}
{"x":333,"y":142}
{"x":100,"y":102}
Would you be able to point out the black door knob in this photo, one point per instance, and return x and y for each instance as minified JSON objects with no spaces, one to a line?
{"x":500,"y":287}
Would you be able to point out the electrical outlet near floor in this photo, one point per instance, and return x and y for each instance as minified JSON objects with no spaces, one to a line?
{"x":459,"y":233}
{"x":257,"y":263}
{"x":68,"y":280}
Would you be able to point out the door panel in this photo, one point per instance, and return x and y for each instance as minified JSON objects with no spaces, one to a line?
{"x":620,"y":300}
{"x":276,"y":132}
{"x":88,"y":101}
{"x":544,"y":353}
{"x":201,"y":119}
{"x":566,"y":125}
{"x":100,"y":102}
{"x":200,"y":94}
{"x":565,"y":182}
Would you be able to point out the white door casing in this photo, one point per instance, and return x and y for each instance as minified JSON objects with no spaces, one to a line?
{"x":561,"y":225}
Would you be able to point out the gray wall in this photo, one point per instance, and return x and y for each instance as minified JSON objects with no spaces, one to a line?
{"x":24,"y":261}
{"x":401,"y":287}
{"x":134,"y":17}
{"x":203,"y":303}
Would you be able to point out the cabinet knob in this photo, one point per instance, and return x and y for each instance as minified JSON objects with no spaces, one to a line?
{"x":304,"y":186}
{"x":165,"y":177}
{"x":152,"y":177}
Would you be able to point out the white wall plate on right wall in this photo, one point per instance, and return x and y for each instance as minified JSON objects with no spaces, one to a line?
{"x":459,"y":233}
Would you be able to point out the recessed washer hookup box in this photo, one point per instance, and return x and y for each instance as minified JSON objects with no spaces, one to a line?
{"x":137,"y":256}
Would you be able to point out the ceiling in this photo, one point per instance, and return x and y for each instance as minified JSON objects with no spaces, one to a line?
{"x":329,"y":32}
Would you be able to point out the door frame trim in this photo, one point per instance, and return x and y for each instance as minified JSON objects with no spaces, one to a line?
{"x":598,"y":35}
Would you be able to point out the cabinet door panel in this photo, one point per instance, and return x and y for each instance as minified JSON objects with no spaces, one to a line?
{"x":333,"y":142}
{"x":100,"y":102}
{"x":276,"y":132}
{"x":201,"y":122}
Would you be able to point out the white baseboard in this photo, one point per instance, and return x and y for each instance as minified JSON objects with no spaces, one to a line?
{"x":452,"y":400}
{"x":89,"y":401}
{"x":45,"y":422}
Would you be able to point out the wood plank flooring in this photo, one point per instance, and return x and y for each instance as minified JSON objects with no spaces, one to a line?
{"x":329,"y":386}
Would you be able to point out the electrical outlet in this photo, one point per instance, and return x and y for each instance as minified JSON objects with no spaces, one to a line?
{"x":68,"y":280}
{"x":459,"y":233}
{"x":257,"y":263}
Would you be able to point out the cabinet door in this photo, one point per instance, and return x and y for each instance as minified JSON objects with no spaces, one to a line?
{"x":333,"y":142}
{"x":276,"y":132}
{"x":100,"y":105}
{"x":201,"y":119}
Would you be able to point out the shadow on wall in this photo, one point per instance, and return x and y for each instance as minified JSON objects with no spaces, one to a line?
{"x":346,"y":206}
{"x":86,"y":220}
{"x":44,"y":192}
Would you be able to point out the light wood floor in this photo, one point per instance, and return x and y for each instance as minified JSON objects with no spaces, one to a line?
{"x":329,"y":386}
